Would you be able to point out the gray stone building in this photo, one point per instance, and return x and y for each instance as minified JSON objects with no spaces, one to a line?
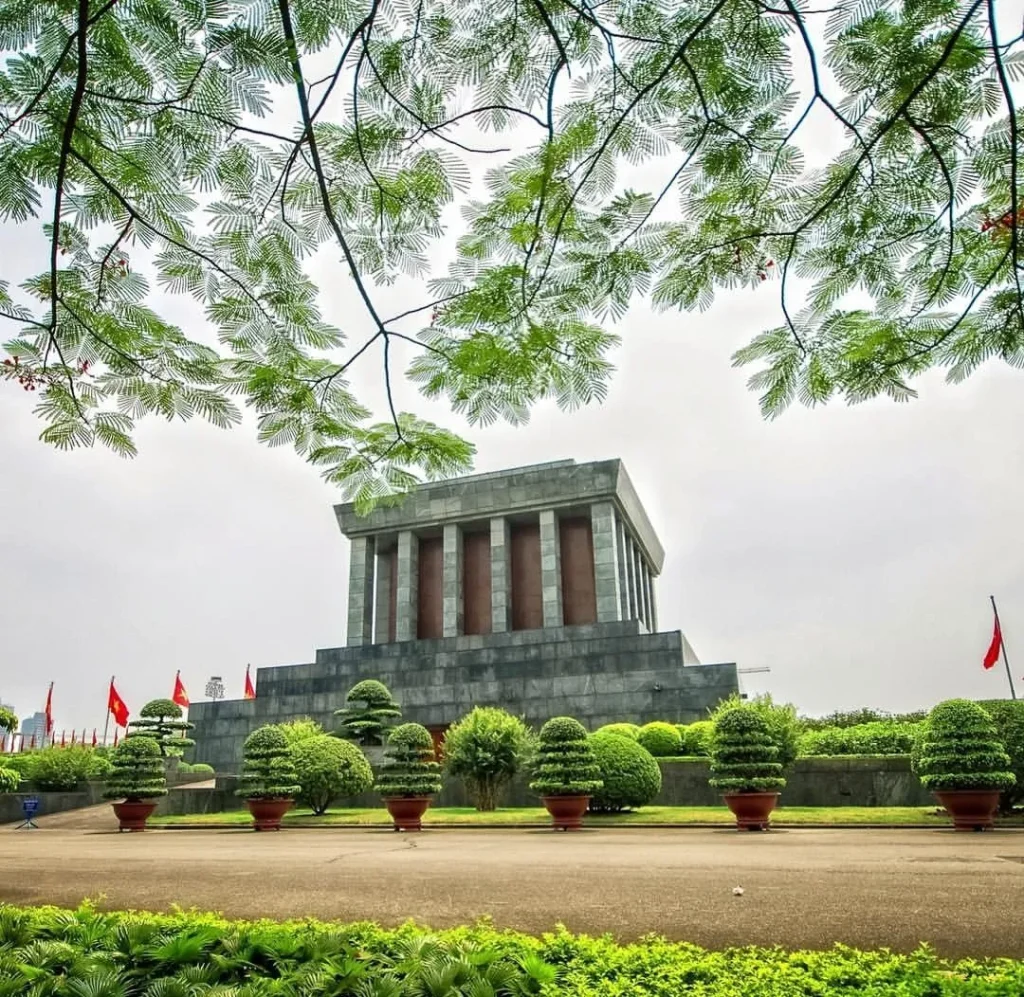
{"x":533,"y":589}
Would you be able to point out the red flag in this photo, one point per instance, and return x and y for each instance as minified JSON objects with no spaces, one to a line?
{"x":250,"y":691}
{"x":992,"y":654}
{"x":49,"y":710}
{"x":180,"y":692}
{"x":116,"y":705}
{"x":94,"y":737}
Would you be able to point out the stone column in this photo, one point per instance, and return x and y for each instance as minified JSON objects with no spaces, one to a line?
{"x":634,"y":605}
{"x":550,"y":569}
{"x":501,"y":581}
{"x":641,"y":588}
{"x":408,"y":586}
{"x":382,"y":621}
{"x":452,"y":581}
{"x":606,"y":569}
{"x":621,"y":565}
{"x":652,"y":609}
{"x":360,"y":592}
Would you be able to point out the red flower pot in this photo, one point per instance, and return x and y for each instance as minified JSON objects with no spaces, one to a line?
{"x":133,"y":814}
{"x":970,"y":809}
{"x":566,"y":811}
{"x":267,"y":814}
{"x":751,"y":810}
{"x":407,"y":811}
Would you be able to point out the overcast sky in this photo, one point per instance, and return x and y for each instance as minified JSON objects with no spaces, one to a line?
{"x":849,"y":550}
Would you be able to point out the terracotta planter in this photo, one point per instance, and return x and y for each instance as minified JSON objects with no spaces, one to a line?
{"x":970,"y":809}
{"x":133,"y":814}
{"x":407,"y":811}
{"x":267,"y":814}
{"x":566,"y":811}
{"x":751,"y":810}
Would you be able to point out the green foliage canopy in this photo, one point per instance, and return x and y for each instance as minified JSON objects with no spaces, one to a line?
{"x":137,"y":770}
{"x":268,"y":772}
{"x":744,"y":756}
{"x":136,"y":138}
{"x":1008,"y":716}
{"x":780,"y":719}
{"x":409,"y":767}
{"x":661,"y":739}
{"x":630,"y":777}
{"x":8,"y":720}
{"x":299,"y":730}
{"x":565,"y":764}
{"x":161,"y":719}
{"x":370,"y":712}
{"x":960,"y":750}
{"x":327,"y":768}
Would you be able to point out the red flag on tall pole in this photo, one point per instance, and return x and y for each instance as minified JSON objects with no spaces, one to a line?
{"x":997,"y":647}
{"x":180,"y":692}
{"x":49,"y":711}
{"x":116,"y":706}
{"x":250,"y":690}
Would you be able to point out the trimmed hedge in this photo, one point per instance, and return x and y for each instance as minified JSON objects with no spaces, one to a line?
{"x":631,"y":777}
{"x":697,"y":741}
{"x":960,"y":750}
{"x":880,"y":737}
{"x":660,"y":739}
{"x":100,"y":953}
{"x":627,"y":730}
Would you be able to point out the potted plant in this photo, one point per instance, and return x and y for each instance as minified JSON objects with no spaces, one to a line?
{"x":369,"y":714}
{"x":409,"y":776}
{"x":745,"y":766}
{"x":963,"y":763}
{"x":268,"y":780}
{"x":136,"y":779}
{"x":566,"y":773}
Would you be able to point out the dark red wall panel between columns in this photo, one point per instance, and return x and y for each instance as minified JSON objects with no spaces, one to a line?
{"x":527,"y":599}
{"x":476,"y":583}
{"x":579,"y":594}
{"x":430,"y":614}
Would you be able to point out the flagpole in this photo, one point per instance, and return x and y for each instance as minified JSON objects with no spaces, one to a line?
{"x":106,"y":723}
{"x":1002,"y":646}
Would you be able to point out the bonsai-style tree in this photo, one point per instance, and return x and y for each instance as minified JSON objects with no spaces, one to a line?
{"x":960,"y":750}
{"x":661,"y":739}
{"x":370,"y":713}
{"x":630,"y":777}
{"x":161,"y":720}
{"x":409,"y":768}
{"x":565,"y":764}
{"x":137,"y":771}
{"x":486,"y":748}
{"x":744,"y":758}
{"x":326,"y":769}
{"x":268,"y":772}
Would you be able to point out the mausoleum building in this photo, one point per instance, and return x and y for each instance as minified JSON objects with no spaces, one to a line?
{"x":533,"y":589}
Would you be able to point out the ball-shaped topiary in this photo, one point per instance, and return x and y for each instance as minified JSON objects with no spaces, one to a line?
{"x":267,"y":769}
{"x":626,"y":730}
{"x":744,"y":758}
{"x":697,"y":742}
{"x":409,"y":767}
{"x":630,"y":776}
{"x":137,"y":771}
{"x":370,"y":712}
{"x":960,"y":750}
{"x":565,"y":764}
{"x":161,"y":719}
{"x":327,"y":768}
{"x":661,"y":739}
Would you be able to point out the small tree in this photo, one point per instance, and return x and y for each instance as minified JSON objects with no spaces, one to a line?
{"x":744,"y":757}
{"x":161,"y":720}
{"x":961,"y":750}
{"x":409,"y":768}
{"x":137,"y":771}
{"x":565,"y":765}
{"x":486,"y":748}
{"x":327,"y":768}
{"x":299,"y":730}
{"x":267,"y":770}
{"x":8,"y":721}
{"x":9,"y":780}
{"x":370,"y":713}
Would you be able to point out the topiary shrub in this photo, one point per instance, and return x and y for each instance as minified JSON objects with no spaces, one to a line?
{"x":744,"y":757}
{"x":370,"y":713}
{"x":267,"y":769}
{"x":298,"y":730}
{"x":961,"y":750}
{"x":409,"y":768}
{"x":200,"y":768}
{"x":661,"y":739}
{"x":137,"y":771}
{"x":161,"y":720}
{"x":626,"y":730}
{"x":565,"y":764}
{"x":630,"y":777}
{"x":326,"y":769}
{"x":1008,"y":716}
{"x":780,"y":718}
{"x":697,"y":742}
{"x":485,"y":749}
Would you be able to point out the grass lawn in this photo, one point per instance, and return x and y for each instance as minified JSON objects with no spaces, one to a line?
{"x":454,"y":816}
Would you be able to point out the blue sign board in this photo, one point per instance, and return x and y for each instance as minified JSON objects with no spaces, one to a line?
{"x":29,"y":805}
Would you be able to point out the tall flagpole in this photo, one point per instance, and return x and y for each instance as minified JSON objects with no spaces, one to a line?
{"x":106,"y":723}
{"x":1002,"y":647}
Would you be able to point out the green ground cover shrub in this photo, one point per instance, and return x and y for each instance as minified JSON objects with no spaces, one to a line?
{"x":1008,"y":716}
{"x":880,"y":737}
{"x":629,"y":730}
{"x":485,"y":749}
{"x":326,"y":769}
{"x":960,"y":750}
{"x":855,"y":718}
{"x":110,"y":954}
{"x":744,"y":757}
{"x":565,"y":764}
{"x":660,"y":739}
{"x":630,"y":776}
{"x":59,"y":770}
{"x":409,"y":768}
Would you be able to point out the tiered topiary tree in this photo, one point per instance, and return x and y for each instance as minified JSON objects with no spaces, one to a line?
{"x":745,"y":765}
{"x":409,"y":776}
{"x":327,"y":769}
{"x":661,"y":739}
{"x":136,"y":778}
{"x":630,"y":776}
{"x":566,"y":773}
{"x":161,"y":720}
{"x":268,"y":772}
{"x":370,"y":713}
{"x":962,"y":761}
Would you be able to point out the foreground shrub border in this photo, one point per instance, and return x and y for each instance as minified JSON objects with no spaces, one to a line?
{"x":96,"y":952}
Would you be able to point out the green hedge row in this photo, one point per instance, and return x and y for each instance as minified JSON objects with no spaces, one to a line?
{"x":46,"y":951}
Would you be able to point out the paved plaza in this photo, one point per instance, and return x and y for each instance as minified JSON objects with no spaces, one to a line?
{"x":964,"y":894}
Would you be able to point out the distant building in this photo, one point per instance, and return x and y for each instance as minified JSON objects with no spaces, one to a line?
{"x":34,"y":725}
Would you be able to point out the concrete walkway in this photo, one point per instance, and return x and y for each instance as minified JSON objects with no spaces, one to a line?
{"x":802,"y":888}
